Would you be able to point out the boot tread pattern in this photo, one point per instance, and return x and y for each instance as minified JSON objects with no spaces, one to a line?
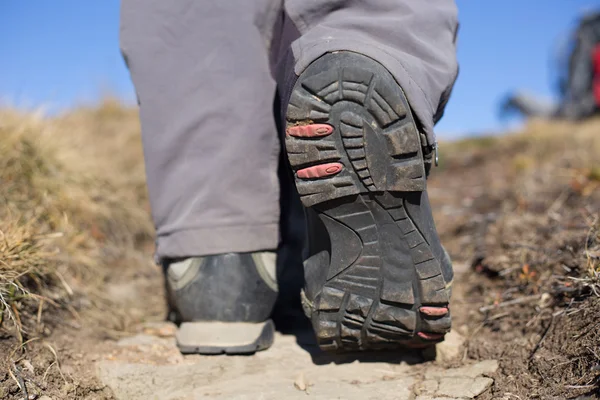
{"x":385,"y":288}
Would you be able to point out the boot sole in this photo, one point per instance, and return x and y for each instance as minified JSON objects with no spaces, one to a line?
{"x":213,"y":338}
{"x":357,"y":156}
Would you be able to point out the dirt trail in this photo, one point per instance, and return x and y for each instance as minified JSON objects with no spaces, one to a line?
{"x":519,"y":215}
{"x":142,"y":361}
{"x":149,"y":366}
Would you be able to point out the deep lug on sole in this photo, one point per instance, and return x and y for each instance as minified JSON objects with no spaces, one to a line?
{"x":377,"y":278}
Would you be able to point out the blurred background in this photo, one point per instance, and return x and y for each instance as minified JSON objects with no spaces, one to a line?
{"x":66,"y":52}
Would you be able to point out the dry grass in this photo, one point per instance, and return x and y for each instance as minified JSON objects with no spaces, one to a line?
{"x":73,"y":206}
{"x":524,"y":211}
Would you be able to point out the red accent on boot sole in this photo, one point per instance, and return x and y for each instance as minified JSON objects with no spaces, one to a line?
{"x":319,"y":171}
{"x":434,"y":311}
{"x":430,"y":336}
{"x":314,"y":130}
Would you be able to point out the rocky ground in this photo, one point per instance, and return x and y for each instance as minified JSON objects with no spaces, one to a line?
{"x":82,"y":310}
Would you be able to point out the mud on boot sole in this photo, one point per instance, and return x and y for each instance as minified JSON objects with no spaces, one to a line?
{"x":373,"y":278}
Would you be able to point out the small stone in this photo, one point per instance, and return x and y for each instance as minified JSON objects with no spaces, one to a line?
{"x":546,"y":300}
{"x":28,"y":366}
{"x":44,"y":397}
{"x":451,"y":348}
{"x":464,"y":387}
{"x":300,"y":382}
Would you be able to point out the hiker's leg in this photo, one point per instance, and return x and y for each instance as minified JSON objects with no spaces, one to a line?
{"x":413,"y":39}
{"x":376,"y":274}
{"x":201,"y":73}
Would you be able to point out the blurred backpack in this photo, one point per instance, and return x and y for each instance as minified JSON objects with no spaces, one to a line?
{"x":578,"y":80}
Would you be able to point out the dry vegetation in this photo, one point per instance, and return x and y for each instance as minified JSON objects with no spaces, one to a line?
{"x":521,"y":210}
{"x":72,"y":211}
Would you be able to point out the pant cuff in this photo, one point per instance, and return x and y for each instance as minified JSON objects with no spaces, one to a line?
{"x":217,"y":240}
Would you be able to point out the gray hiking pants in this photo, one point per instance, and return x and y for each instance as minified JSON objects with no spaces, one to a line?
{"x":204,"y":75}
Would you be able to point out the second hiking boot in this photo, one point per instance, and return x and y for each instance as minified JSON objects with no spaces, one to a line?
{"x":223,"y":302}
{"x":377,"y":276}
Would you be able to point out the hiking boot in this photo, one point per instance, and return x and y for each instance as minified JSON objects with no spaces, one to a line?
{"x":376,"y":276}
{"x":223,"y":302}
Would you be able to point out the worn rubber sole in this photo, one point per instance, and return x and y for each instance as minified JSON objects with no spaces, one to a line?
{"x":224,"y":337}
{"x":377,"y":276}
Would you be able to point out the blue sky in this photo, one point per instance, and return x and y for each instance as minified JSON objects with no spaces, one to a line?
{"x":63,"y":52}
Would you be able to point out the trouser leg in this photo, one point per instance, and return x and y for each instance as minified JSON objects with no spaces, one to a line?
{"x":201,"y":73}
{"x":413,"y":39}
